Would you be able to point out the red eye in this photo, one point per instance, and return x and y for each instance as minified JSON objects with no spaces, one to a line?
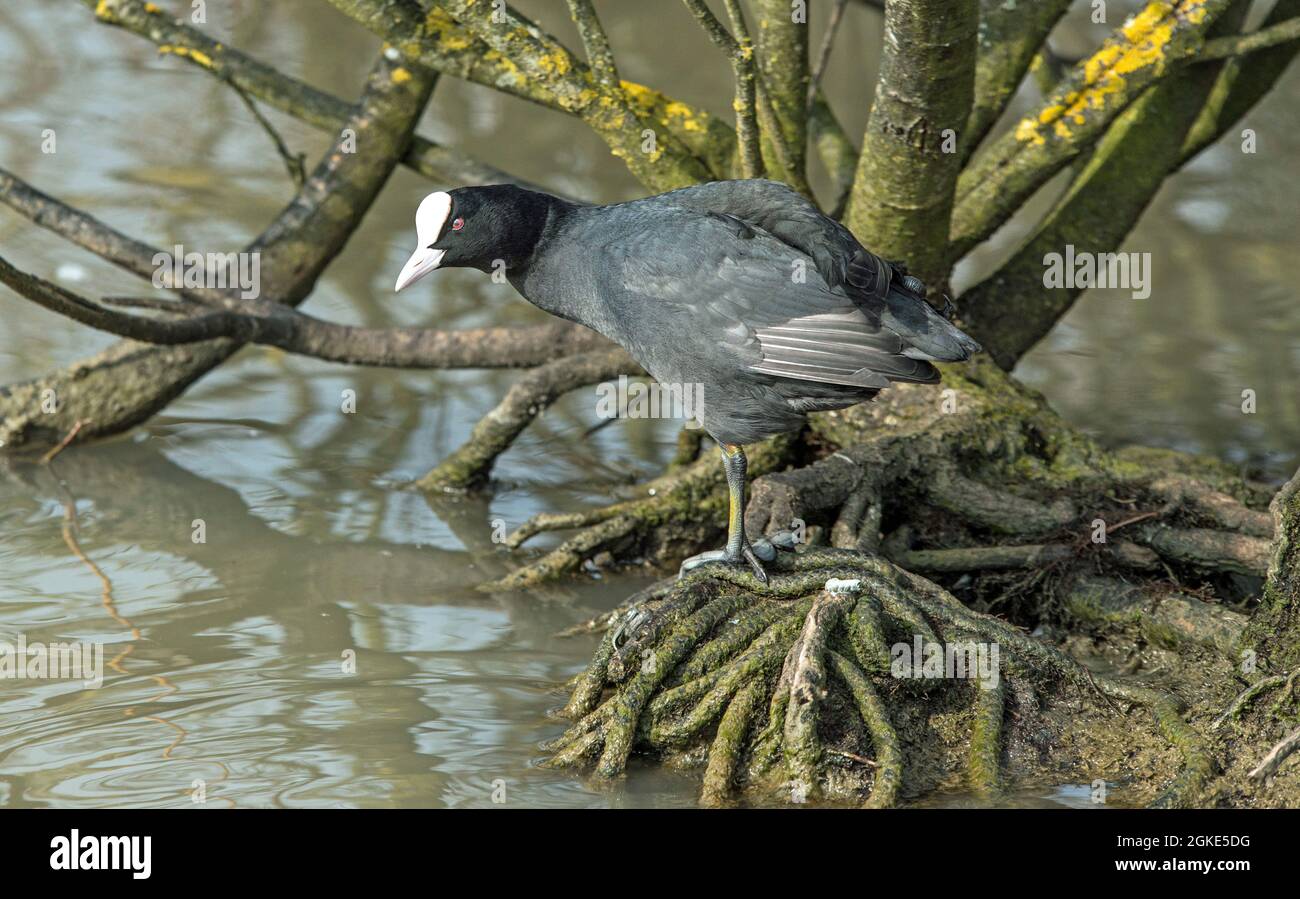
{"x":458,"y":224}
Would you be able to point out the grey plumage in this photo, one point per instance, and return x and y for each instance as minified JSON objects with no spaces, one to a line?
{"x":746,"y":288}
{"x":739,"y":292}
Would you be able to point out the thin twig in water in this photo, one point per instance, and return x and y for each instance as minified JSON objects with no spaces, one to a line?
{"x":63,"y":444}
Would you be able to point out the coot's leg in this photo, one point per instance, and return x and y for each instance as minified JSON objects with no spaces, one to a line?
{"x":738,"y":549}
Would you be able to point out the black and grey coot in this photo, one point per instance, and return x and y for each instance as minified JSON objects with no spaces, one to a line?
{"x":743,"y":287}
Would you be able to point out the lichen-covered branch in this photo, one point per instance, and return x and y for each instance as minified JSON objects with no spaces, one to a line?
{"x":902,"y":196}
{"x":1158,"y":41}
{"x":1009,"y":36}
{"x":741,"y":56}
{"x":783,"y":62}
{"x":661,"y":166}
{"x":594,"y":40}
{"x":283,"y":92}
{"x":1241,"y":84}
{"x":1014,"y":308}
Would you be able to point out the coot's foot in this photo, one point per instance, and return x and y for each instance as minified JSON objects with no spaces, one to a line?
{"x":739,"y":550}
{"x":753,"y":554}
{"x":747,"y":555}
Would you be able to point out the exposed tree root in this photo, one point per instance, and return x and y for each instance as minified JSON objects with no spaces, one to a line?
{"x":983,"y":488}
{"x":794,"y":692}
{"x":689,"y":501}
{"x":787,"y":694}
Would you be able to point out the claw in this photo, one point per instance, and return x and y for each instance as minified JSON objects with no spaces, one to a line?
{"x":749,"y":555}
{"x":754,"y":563}
{"x":628,"y":626}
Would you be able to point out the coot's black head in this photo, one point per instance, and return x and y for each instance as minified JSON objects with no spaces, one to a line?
{"x":476,"y":227}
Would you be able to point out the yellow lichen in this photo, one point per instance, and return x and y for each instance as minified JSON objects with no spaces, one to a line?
{"x":197,"y":56}
{"x":1143,"y":41}
{"x":451,"y":37}
{"x":641,"y":97}
{"x":556,"y":63}
{"x":688,"y":119}
{"x":504,"y":63}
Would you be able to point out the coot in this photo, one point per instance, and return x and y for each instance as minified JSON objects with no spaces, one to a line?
{"x":742,"y":287}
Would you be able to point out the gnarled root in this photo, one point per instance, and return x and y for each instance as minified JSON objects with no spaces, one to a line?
{"x":989,"y":493}
{"x":805,"y":689}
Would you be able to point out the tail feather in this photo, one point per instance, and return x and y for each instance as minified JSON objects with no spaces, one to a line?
{"x":929,"y":334}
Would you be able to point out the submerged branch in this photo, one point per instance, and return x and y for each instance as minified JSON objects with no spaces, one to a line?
{"x":468,"y":466}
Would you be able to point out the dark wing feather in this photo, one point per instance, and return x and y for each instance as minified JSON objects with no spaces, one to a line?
{"x":736,"y":286}
{"x":796,"y":221}
{"x":882,"y":290}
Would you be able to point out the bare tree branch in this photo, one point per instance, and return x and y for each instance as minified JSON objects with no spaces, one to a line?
{"x":1242,"y":83}
{"x":836,"y":152}
{"x":294,"y":163}
{"x":594,"y":40}
{"x":127,"y":383}
{"x":745,"y":105}
{"x":1009,"y":36}
{"x":1242,"y":44}
{"x":274,"y":324}
{"x":824,"y":51}
{"x":784,"y":78}
{"x":283,"y":92}
{"x":82,"y":229}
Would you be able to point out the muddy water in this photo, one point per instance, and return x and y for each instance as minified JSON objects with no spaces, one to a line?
{"x":224,"y":659}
